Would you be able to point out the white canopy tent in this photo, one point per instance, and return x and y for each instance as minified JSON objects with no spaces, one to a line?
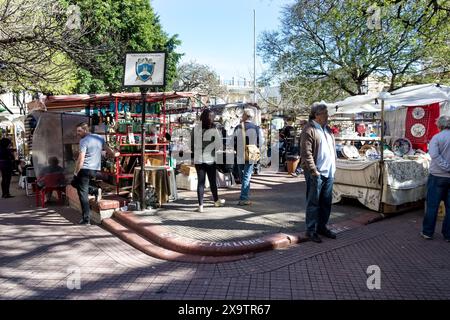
{"x":418,"y":95}
{"x":396,"y":102}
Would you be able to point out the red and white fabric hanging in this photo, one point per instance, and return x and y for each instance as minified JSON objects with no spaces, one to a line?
{"x":421,"y":125}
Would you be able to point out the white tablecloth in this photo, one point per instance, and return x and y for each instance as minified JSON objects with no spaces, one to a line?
{"x":404,"y":181}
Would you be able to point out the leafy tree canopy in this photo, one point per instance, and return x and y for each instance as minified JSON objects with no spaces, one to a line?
{"x":40,"y":51}
{"x":326,"y":49}
{"x":193,"y":76}
{"x":121,"y":26}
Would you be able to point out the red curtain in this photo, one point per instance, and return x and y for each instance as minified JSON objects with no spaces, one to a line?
{"x":428,"y":120}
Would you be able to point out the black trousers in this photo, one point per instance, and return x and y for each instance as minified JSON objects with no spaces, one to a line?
{"x":84,"y":176}
{"x":204,"y":169}
{"x":6,"y":179}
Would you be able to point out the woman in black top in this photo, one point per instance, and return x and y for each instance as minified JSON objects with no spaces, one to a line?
{"x":6,"y":166}
{"x":204,"y":156}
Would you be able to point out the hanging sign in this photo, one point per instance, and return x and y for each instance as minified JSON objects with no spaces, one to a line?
{"x":145,"y":69}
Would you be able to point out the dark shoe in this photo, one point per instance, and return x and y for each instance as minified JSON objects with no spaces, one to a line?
{"x":327,"y":233}
{"x":6,"y":196}
{"x":314,"y":237}
{"x":448,"y":240}
{"x":84,"y":222}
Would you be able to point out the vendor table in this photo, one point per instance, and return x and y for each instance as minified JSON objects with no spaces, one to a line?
{"x":161,"y":178}
{"x":404,"y":181}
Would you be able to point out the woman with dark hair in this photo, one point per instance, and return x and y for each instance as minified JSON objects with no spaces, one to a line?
{"x":6,"y":166}
{"x":205,"y":140}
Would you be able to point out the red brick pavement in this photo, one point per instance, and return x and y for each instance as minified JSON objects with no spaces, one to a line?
{"x":39,"y":247}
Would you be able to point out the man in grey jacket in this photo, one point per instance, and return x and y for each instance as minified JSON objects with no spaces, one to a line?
{"x":318,"y":160}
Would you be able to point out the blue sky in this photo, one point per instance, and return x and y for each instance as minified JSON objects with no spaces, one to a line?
{"x":219,"y":33}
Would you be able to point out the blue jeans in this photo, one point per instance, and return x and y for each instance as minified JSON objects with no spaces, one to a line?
{"x":245,"y":174}
{"x":318,"y":201}
{"x":438,"y":189}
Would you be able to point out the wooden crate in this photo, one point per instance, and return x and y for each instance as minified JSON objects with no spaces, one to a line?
{"x":392,"y":209}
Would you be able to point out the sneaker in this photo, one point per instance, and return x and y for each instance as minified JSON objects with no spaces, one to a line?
{"x":84,"y":222}
{"x":244,"y":202}
{"x":200,"y":209}
{"x":448,"y":240}
{"x":425,"y":236}
{"x":219,"y":203}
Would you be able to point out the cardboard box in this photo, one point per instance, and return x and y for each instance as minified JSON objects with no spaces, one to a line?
{"x":154,"y":162}
{"x":188,"y":170}
{"x":189,"y":182}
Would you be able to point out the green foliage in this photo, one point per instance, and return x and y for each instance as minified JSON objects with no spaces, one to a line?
{"x":330,"y":45}
{"x":120,"y":26}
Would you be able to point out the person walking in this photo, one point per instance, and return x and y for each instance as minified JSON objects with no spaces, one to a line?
{"x":205,"y":135}
{"x":88,"y":164}
{"x":318,"y":161}
{"x":251,"y":133}
{"x":438,"y":186}
{"x":6,"y":166}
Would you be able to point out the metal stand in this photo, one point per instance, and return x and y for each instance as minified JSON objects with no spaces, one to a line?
{"x":144,"y":91}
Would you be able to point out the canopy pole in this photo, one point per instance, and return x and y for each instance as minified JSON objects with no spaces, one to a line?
{"x":382,"y":157}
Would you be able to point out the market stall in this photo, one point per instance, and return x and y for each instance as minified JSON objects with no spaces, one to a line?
{"x":228,"y":117}
{"x":120,"y":118}
{"x":393,"y":171}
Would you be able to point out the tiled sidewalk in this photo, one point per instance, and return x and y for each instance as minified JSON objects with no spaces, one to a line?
{"x":40,"y":248}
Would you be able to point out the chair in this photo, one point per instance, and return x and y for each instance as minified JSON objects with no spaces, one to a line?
{"x":50,"y":182}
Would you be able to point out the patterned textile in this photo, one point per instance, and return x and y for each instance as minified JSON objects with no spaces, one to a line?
{"x":421,"y":124}
{"x":404,"y":181}
{"x":406,"y":174}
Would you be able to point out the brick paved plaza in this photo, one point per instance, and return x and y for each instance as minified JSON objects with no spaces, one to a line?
{"x":42,"y":248}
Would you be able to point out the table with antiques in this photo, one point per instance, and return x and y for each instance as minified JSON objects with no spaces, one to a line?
{"x":404,"y":181}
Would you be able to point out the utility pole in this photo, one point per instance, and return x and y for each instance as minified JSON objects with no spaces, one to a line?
{"x":254,"y":56}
